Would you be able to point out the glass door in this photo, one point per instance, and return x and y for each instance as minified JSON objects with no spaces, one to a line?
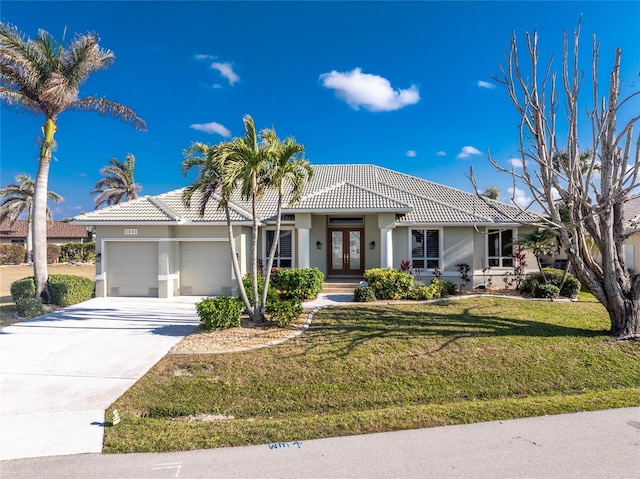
{"x":346,"y":251}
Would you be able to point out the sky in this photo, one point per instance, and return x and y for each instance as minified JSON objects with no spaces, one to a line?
{"x":402,"y":85}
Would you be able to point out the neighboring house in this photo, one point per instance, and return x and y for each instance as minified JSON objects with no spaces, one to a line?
{"x":349,"y":219}
{"x":58,"y":232}
{"x":632,"y":226}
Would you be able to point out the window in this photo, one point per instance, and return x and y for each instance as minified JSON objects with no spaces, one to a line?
{"x":500,"y":249}
{"x":425,"y":249}
{"x":284,"y":253}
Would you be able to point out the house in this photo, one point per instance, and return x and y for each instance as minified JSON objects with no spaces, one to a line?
{"x":632,"y":226}
{"x":58,"y":232}
{"x":350,"y":218}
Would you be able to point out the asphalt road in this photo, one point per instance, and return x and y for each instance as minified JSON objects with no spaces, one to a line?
{"x":582,"y":445}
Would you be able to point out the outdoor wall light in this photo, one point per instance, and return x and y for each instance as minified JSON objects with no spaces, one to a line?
{"x":98,"y":257}
{"x":372,"y":245}
{"x":318,"y":245}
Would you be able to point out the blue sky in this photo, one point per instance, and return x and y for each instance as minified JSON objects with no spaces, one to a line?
{"x":401,"y":85}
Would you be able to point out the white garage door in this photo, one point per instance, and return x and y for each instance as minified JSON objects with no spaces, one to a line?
{"x":132,"y":268}
{"x":205,"y":268}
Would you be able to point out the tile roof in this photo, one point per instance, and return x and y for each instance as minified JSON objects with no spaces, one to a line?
{"x":55,"y":229}
{"x":332,"y":188}
{"x":632,"y":214}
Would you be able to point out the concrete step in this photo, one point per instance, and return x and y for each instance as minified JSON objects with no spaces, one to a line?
{"x":340,"y":285}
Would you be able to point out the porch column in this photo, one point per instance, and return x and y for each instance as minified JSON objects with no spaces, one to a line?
{"x":386,"y":247}
{"x":303,"y":225}
{"x":303,"y":248}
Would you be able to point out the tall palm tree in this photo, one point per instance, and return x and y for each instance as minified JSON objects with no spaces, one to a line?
{"x":118,"y":182}
{"x":208,"y":186}
{"x":44,"y":77}
{"x":245,"y":163}
{"x":18,"y":198}
{"x":286,"y":169}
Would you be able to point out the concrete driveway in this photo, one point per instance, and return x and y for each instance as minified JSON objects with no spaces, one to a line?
{"x":60,"y":372}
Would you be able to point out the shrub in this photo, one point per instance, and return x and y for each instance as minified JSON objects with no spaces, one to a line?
{"x":53,"y":253}
{"x":388,"y":283}
{"x":22,"y":289}
{"x":67,"y":289}
{"x":29,"y":307}
{"x":548,"y":291}
{"x":444,"y":288}
{"x":12,"y":253}
{"x":78,"y":252}
{"x":222,"y":312}
{"x":301,"y":283}
{"x":569,"y":289}
{"x":424,"y":292}
{"x":272,"y":293}
{"x":284,"y":311}
{"x":364,"y":294}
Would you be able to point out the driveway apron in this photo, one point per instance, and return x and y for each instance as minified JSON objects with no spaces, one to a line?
{"x":60,"y":372}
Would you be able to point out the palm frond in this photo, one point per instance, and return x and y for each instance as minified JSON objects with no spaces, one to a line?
{"x":109,"y":108}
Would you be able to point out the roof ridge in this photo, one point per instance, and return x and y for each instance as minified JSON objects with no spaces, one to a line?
{"x":166,"y":209}
{"x":441,"y":203}
{"x":364,"y":188}
{"x":322,"y":191}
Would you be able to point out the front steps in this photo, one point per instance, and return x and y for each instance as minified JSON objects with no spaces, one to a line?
{"x":335,"y":285}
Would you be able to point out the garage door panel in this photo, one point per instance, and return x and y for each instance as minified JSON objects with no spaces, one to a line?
{"x":132,"y":268}
{"x":205,"y":268}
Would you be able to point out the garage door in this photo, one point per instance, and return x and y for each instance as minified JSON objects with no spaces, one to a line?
{"x":205,"y":268}
{"x":132,"y":268}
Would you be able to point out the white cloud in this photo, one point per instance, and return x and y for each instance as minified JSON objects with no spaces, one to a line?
{"x":200,"y":56}
{"x":226,"y":70}
{"x":412,"y":153}
{"x":371,"y":92}
{"x":467,"y":152}
{"x":216,"y":86}
{"x":212,"y":128}
{"x":441,"y":153}
{"x":519,"y":197}
{"x":554,"y":193}
{"x":516,"y":162}
{"x":486,"y":84}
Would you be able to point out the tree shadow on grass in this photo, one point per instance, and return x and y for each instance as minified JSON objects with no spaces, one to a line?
{"x":347,"y":328}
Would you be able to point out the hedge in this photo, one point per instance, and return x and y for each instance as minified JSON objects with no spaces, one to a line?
{"x":14,"y":253}
{"x":64,"y":289}
{"x":388,"y":283}
{"x":569,"y":289}
{"x":301,"y":283}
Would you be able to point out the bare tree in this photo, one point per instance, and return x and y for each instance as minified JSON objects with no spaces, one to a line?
{"x":589,"y":192}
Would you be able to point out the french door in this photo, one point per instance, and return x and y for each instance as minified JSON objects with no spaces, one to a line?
{"x":347,"y":252}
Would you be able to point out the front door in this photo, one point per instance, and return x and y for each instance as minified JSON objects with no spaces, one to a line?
{"x":347,"y":253}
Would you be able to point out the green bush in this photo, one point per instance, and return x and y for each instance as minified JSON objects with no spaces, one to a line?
{"x":272,"y":293}
{"x":284,"y":311}
{"x":301,"y":283}
{"x":444,"y":288}
{"x":423,"y":292}
{"x":548,"y":291}
{"x":569,"y":289}
{"x":364,"y":294}
{"x":53,"y":253}
{"x":222,"y":312}
{"x":388,"y":283}
{"x":78,"y":252}
{"x":12,"y":253}
{"x":23,"y":288}
{"x":67,"y":289}
{"x":29,"y":307}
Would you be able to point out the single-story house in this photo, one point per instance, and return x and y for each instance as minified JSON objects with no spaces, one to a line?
{"x":632,"y":225}
{"x":58,"y":232}
{"x":350,"y":218}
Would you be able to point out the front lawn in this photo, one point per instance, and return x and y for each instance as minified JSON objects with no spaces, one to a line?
{"x":372,"y":368}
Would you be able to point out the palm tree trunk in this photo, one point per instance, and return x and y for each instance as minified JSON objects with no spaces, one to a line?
{"x":39,"y":226}
{"x":236,"y":266}
{"x":272,"y":255}
{"x":257,"y":314}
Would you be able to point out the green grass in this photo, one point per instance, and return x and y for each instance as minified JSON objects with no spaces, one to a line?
{"x":386,"y":367}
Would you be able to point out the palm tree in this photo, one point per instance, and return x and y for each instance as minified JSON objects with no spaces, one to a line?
{"x":286,"y":169}
{"x":493,"y":193}
{"x":208,"y":185}
{"x":245,"y":163}
{"x":118,"y":183}
{"x":540,"y":243}
{"x":44,"y":77}
{"x":18,"y":198}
